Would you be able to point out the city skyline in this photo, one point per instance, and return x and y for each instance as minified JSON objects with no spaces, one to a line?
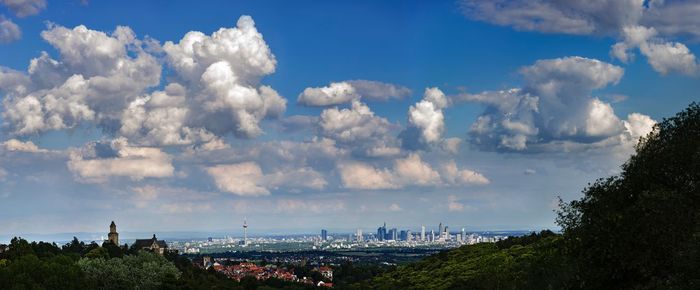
{"x":297,"y":117}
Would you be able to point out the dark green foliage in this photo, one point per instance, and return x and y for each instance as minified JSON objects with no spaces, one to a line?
{"x":641,"y":229}
{"x":347,"y":273}
{"x":539,"y":264}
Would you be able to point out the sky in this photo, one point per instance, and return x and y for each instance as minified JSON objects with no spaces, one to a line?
{"x":302,"y":115}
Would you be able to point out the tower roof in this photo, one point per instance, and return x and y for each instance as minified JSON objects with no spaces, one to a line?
{"x":112,"y":224}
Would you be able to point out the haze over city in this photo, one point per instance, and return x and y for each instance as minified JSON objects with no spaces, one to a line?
{"x":339,"y":115}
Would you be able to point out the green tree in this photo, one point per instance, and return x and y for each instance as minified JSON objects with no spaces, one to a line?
{"x":641,"y":229}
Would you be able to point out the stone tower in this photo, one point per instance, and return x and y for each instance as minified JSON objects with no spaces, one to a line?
{"x":113,"y":235}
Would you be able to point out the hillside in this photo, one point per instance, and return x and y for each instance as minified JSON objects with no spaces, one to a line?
{"x":534,"y":262}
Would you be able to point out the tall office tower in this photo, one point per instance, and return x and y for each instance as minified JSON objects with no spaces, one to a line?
{"x":324,"y":235}
{"x":359,"y":235}
{"x":464,"y":234}
{"x":432,"y":235}
{"x":422,"y":233}
{"x":245,"y":232}
{"x":403,"y":235}
{"x":381,"y":233}
{"x":409,"y":235}
{"x":440,"y":229}
{"x":445,"y":234}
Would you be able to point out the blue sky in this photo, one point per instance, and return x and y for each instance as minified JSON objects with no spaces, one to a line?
{"x":341,"y":114}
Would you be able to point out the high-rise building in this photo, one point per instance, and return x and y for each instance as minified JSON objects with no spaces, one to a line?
{"x":403,"y":235}
{"x":432,"y":235}
{"x":440,"y":229}
{"x":422,"y":233}
{"x":409,"y":235}
{"x":464,"y":235}
{"x":381,"y":233}
{"x":324,"y":235}
{"x":359,"y":235}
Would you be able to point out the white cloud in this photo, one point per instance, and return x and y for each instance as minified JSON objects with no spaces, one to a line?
{"x":453,"y":175}
{"x":357,"y":123}
{"x":105,"y":80}
{"x":337,"y":93}
{"x":426,"y":120}
{"x":23,"y":8}
{"x":636,"y":22}
{"x":412,"y":170}
{"x":555,"y":105}
{"x":358,"y":175}
{"x":409,"y":171}
{"x":17,"y":145}
{"x":98,"y":161}
{"x":9,"y":31}
{"x":248,"y":179}
{"x":243,"y":179}
{"x":91,"y":83}
{"x":664,"y":57}
{"x":639,"y":125}
{"x":333,"y":94}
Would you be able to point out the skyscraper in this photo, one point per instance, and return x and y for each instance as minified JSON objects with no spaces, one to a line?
{"x":422,"y":233}
{"x":381,"y":233}
{"x":324,"y":235}
{"x":359,"y":235}
{"x":440,"y":230}
{"x":464,"y":234}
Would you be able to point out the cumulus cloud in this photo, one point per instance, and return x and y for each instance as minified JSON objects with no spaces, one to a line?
{"x":222,"y":72}
{"x":91,"y":83}
{"x":248,"y":179}
{"x":664,"y":57}
{"x":105,"y":80}
{"x":409,"y":171}
{"x":243,"y":179}
{"x":17,"y":145}
{"x":426,"y":120}
{"x":453,"y":175}
{"x":637,"y":23}
{"x":555,"y":105}
{"x":9,"y":31}
{"x":357,"y":175}
{"x":23,"y":8}
{"x":338,"y":93}
{"x":357,"y":123}
{"x":99,"y":161}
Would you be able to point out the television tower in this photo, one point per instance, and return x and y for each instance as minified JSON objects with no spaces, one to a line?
{"x":245,"y":232}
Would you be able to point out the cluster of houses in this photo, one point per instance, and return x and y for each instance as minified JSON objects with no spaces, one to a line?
{"x":248,"y":269}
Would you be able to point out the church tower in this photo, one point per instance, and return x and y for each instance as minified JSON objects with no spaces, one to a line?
{"x":113,"y":236}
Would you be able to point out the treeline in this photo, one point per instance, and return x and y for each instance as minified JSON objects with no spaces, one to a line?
{"x":76,"y":265}
{"x":636,"y":230}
